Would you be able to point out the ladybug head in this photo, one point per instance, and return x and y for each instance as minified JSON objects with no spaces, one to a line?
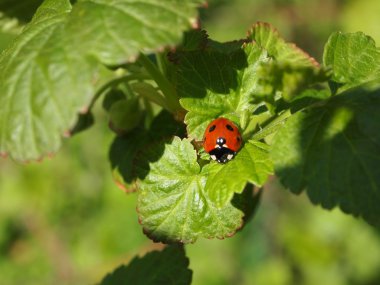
{"x":221,"y":153}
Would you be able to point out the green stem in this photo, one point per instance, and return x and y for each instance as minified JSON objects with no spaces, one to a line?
{"x":113,"y":83}
{"x":161,"y":62}
{"x":166,"y":87}
{"x":272,"y":126}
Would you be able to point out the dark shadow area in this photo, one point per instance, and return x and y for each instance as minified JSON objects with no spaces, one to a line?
{"x":247,"y":202}
{"x":23,"y":10}
{"x":339,"y":150}
{"x":169,"y":266}
{"x":131,"y":153}
{"x":214,"y":69}
{"x":84,"y":122}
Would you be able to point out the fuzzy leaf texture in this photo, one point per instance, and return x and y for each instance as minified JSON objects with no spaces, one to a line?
{"x":354,"y":58}
{"x":169,"y":266}
{"x":252,"y":164}
{"x":333,"y":153}
{"x":52,"y":70}
{"x":173,"y":205}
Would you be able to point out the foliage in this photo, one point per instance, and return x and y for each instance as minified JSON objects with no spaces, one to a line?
{"x":314,"y":126}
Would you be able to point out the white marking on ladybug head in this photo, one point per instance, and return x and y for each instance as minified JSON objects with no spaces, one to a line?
{"x":230,"y":156}
{"x":213,"y":157}
{"x":220,"y":141}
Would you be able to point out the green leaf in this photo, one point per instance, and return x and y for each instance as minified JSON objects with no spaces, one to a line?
{"x":9,"y":29}
{"x":252,"y":164}
{"x":173,"y":204}
{"x":354,"y":58}
{"x":269,"y":39}
{"x":231,"y":79}
{"x":23,"y":10}
{"x":333,"y":152}
{"x":43,"y":86}
{"x":85,"y":121}
{"x":290,"y":71}
{"x":126,"y":152}
{"x":169,"y":266}
{"x":292,"y":80}
{"x":51,"y":71}
{"x":216,"y":83}
{"x":116,"y":31}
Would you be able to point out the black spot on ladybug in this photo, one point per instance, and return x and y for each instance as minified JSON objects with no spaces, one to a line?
{"x":230,"y":128}
{"x":212,"y":128}
{"x":238,"y":139}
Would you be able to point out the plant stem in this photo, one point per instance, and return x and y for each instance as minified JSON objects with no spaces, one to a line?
{"x":113,"y":83}
{"x":166,"y":87}
{"x":272,"y":126}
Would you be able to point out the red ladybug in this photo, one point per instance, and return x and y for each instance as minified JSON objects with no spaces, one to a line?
{"x":222,"y":140}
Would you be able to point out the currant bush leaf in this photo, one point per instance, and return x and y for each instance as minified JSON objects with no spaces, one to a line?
{"x":290,"y":70}
{"x":354,"y":58}
{"x":292,"y":80}
{"x":269,"y":39}
{"x":52,"y":70}
{"x":23,"y":10}
{"x":215,"y":83}
{"x":231,"y":79}
{"x":252,"y":164}
{"x":333,"y":153}
{"x":36,"y":72}
{"x":126,"y":152}
{"x":173,"y":205}
{"x":157,"y":267}
{"x":116,"y":31}
{"x":9,"y":29}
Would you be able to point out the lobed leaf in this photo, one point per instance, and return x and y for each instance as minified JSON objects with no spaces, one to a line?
{"x":290,"y":71}
{"x":51,"y":71}
{"x":292,"y":80}
{"x":116,"y":31}
{"x":36,"y":72}
{"x":231,"y":79}
{"x":173,"y":204}
{"x":333,"y":152}
{"x":354,"y":58}
{"x":268,"y":38}
{"x":126,"y":152}
{"x":217,"y":83}
{"x":169,"y":266}
{"x":251,"y":165}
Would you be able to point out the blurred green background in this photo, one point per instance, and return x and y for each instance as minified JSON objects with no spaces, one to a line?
{"x":63,"y":220}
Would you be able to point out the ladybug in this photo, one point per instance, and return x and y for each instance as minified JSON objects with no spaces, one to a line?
{"x":222,"y":140}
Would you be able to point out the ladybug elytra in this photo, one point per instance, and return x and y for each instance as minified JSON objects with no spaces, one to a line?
{"x":222,"y":140}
